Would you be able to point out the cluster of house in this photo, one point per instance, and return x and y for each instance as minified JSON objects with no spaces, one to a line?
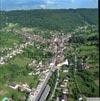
{"x":59,"y":51}
{"x":31,"y":37}
{"x":35,"y":94}
{"x":14,"y":52}
{"x":43,"y":71}
{"x":82,"y":28}
{"x":63,"y":86}
{"x":37,"y":68}
{"x":21,"y":87}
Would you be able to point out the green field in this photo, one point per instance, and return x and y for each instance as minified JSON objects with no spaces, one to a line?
{"x":85,"y":47}
{"x":16,"y":71}
{"x":7,"y":39}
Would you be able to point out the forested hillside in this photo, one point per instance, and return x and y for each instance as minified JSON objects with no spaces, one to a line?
{"x":60,"y":20}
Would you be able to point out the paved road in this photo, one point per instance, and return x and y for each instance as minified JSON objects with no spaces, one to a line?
{"x":40,"y":88}
{"x":55,"y":85}
{"x":42,"y":85}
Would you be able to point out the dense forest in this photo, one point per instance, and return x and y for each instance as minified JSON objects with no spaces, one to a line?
{"x":60,"y":20}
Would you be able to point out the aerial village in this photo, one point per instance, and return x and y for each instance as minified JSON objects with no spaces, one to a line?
{"x":57,"y":64}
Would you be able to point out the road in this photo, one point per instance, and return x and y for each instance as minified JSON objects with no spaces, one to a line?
{"x":41,"y":86}
{"x":55,"y":85}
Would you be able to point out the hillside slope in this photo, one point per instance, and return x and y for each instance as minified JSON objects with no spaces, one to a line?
{"x":64,"y":20}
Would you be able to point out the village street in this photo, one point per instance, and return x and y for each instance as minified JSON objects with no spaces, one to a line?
{"x":58,"y":44}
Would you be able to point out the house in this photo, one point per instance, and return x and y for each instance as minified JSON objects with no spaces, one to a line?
{"x":13,"y":86}
{"x":80,"y":97}
{"x":62,"y":86}
{"x":24,"y":87}
{"x":45,"y":71}
{"x":14,"y":53}
{"x":65,"y":71}
{"x":37,"y":72}
{"x":65,"y":91}
{"x":40,"y":64}
{"x":65,"y":80}
{"x":66,"y":62}
{"x":10,"y":56}
{"x":62,"y":100}
{"x":93,"y":99}
{"x":65,"y":84}
{"x":59,"y":65}
{"x":1,"y":58}
{"x":52,"y":64}
{"x":2,"y":62}
{"x":31,"y":73}
{"x":57,"y":99}
{"x":34,"y":61}
{"x":20,"y":51}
